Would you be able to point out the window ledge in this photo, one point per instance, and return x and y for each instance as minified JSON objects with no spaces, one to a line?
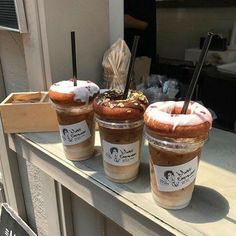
{"x":212,"y":209}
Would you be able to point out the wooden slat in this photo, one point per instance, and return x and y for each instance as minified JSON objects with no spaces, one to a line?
{"x":11,"y":176}
{"x":52,"y":210}
{"x":65,"y":210}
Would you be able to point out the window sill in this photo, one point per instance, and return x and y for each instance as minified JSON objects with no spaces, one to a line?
{"x":130,"y":205}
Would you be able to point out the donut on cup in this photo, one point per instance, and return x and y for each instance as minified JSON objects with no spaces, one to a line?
{"x":75,"y":116}
{"x":120,"y":124}
{"x":175,"y":143}
{"x":165,"y":119}
{"x":66,"y":94}
{"x":111,"y":106}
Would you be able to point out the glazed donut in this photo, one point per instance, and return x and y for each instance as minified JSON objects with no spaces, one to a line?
{"x":165,"y":119}
{"x":110,"y":105}
{"x":66,"y":94}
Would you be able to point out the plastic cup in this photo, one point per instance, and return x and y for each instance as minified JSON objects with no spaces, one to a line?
{"x":73,"y":104}
{"x":120,"y":124}
{"x":121,"y":145}
{"x":175,"y":141}
{"x":77,"y":130}
{"x":173,"y":169}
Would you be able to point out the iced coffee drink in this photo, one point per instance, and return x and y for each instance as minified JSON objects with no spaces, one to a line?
{"x":175,"y":142}
{"x":75,"y":115}
{"x":120,"y":125}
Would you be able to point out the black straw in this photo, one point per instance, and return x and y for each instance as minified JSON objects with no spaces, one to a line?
{"x":131,"y":66}
{"x":73,"y":51}
{"x":197,"y":72}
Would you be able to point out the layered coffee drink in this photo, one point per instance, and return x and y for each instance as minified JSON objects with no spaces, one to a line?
{"x":175,"y":142}
{"x":120,"y":126}
{"x":75,"y":116}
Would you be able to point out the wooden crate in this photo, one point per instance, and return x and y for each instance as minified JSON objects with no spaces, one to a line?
{"x":28,"y":112}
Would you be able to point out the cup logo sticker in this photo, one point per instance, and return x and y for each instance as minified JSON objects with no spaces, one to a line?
{"x":120,"y":154}
{"x":75,"y":133}
{"x":174,"y":178}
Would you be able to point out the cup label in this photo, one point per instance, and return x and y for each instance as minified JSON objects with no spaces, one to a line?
{"x":174,"y":178}
{"x":75,"y":133}
{"x":120,"y":154}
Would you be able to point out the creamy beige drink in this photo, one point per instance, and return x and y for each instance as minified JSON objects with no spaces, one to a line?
{"x":120,"y":126}
{"x":175,"y":142}
{"x":75,"y":115}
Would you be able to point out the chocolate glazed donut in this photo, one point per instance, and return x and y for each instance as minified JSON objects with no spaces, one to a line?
{"x":110,"y":105}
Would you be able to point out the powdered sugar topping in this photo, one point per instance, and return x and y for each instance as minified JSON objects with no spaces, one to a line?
{"x":83,"y":91}
{"x":163,"y":113}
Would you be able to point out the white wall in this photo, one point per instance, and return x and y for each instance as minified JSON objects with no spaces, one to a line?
{"x":116,"y":13}
{"x":90,"y":21}
{"x":33,"y":61}
{"x":12,"y":63}
{"x":180,"y":28}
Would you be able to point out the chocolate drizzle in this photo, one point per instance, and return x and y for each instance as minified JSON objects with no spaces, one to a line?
{"x":113,"y":99}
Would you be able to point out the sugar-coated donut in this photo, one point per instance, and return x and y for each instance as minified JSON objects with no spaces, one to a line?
{"x":165,"y":119}
{"x":65,"y":93}
{"x":111,"y":106}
